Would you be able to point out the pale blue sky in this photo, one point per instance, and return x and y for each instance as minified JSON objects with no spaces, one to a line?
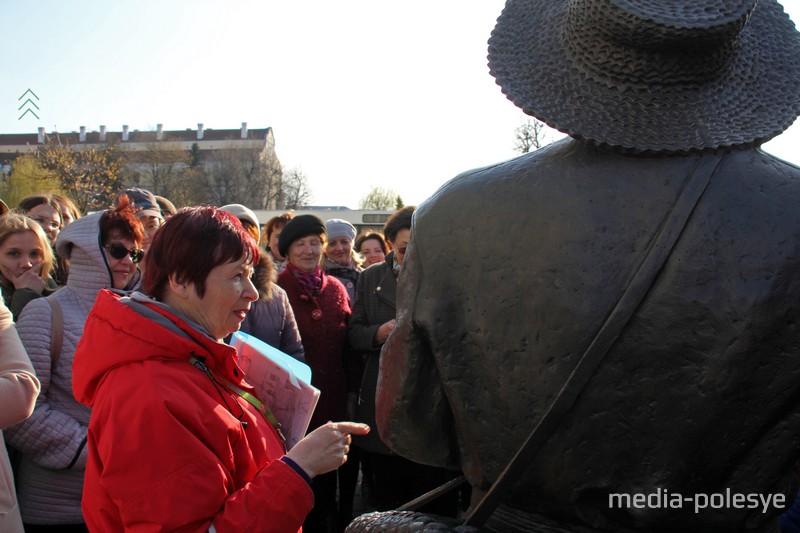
{"x":360,"y":93}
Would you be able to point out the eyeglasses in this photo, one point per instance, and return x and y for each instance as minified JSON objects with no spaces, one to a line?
{"x":52,"y":224}
{"x":117,"y":251}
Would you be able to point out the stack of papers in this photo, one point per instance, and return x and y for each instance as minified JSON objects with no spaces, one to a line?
{"x":280,"y":381}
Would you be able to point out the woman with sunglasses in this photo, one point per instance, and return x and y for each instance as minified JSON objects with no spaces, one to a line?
{"x":122,"y":257}
{"x":103,"y":249}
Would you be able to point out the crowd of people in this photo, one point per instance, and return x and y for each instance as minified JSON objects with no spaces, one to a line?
{"x":116,"y":323}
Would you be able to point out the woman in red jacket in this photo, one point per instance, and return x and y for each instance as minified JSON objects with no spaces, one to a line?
{"x":321,"y":307}
{"x":177,"y":439}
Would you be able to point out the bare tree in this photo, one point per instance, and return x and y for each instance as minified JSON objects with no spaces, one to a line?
{"x":158,"y":167}
{"x":530,"y":135}
{"x":249,"y":175}
{"x":380,"y":198}
{"x":260,"y":174}
{"x":243,"y":176}
{"x":223,"y":180}
{"x":295,"y":190}
{"x":190,"y":187}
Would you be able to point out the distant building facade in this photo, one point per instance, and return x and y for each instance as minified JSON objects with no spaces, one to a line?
{"x":237,"y":162}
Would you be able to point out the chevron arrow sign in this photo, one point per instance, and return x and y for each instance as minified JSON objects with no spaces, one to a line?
{"x":28,"y":104}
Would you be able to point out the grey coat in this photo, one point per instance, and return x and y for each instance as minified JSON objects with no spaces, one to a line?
{"x":273,"y":322}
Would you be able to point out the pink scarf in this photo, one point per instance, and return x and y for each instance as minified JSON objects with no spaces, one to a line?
{"x":311,"y":281}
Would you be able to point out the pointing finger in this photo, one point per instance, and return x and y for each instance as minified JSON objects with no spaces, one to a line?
{"x":352,"y":427}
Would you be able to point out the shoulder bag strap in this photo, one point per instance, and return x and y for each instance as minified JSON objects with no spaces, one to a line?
{"x":653,"y":261}
{"x":56,"y":331}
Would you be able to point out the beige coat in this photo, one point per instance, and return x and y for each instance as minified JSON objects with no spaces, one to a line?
{"x":18,"y":390}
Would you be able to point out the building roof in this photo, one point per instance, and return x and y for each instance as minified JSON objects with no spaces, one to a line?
{"x":134,"y":136}
{"x":14,"y":144}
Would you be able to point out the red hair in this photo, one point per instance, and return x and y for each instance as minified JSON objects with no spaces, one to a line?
{"x":121,"y":220}
{"x":190,"y":244}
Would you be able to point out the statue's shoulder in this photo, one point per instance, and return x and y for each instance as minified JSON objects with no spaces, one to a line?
{"x":763,"y":164}
{"x":482,"y":189}
{"x":757,"y":177}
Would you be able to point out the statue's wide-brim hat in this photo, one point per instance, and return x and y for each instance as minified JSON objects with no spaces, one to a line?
{"x":661,"y":76}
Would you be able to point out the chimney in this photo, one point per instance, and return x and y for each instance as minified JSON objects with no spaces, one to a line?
{"x":199,"y":130}
{"x":40,"y":136}
{"x":124,"y":132}
{"x":159,"y":132}
{"x":82,"y":134}
{"x":102,"y":134}
{"x":244,"y":130}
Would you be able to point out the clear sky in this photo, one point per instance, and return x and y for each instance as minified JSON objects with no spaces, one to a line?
{"x":359,"y":93}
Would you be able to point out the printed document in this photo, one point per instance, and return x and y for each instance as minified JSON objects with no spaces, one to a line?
{"x":281,"y":381}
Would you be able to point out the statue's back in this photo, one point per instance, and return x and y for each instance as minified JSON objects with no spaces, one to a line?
{"x":698,"y":393}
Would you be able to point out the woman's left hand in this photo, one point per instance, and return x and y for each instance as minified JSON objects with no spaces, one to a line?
{"x":325,"y":449}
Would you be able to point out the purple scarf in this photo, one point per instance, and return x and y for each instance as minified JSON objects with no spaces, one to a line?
{"x":311,"y":281}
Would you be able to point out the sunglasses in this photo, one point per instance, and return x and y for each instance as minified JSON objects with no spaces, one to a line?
{"x":117,"y":251}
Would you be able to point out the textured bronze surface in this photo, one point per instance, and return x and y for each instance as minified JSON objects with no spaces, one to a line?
{"x":699,"y":392}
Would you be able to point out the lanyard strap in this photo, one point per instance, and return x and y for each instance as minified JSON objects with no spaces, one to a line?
{"x":246,"y":396}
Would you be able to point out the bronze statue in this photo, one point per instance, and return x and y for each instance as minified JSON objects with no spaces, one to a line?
{"x":633,"y":307}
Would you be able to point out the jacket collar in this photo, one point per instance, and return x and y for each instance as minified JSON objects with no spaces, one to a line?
{"x":135,"y":329}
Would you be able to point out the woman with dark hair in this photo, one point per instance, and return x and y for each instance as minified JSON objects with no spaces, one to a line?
{"x":272,"y":235}
{"x":103,"y":249}
{"x":394,"y":479}
{"x":372,"y":247}
{"x":25,"y":262}
{"x":322,"y":309}
{"x":44,"y":209}
{"x":213,"y":458}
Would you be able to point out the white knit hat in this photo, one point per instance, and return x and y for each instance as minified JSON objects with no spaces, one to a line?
{"x":336,"y":227}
